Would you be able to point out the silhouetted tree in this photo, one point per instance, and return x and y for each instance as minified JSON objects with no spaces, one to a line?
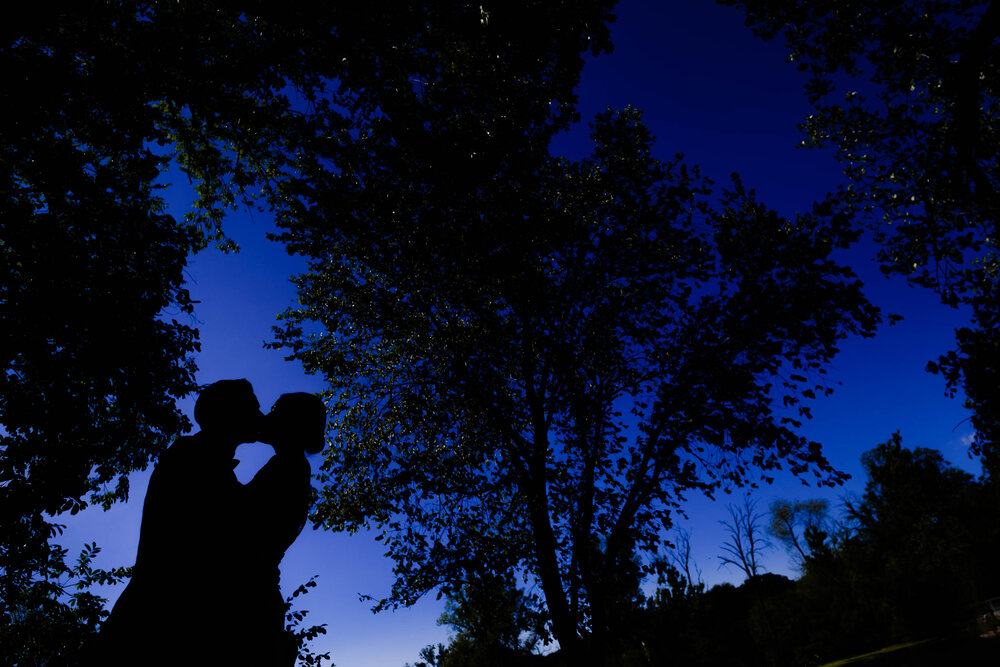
{"x":911,"y":559}
{"x":914,"y":521}
{"x":798,"y":525}
{"x":906,"y":563}
{"x":905,"y":92}
{"x":98,"y":100}
{"x":96,"y":343}
{"x":485,"y":309}
{"x":495,"y":625}
{"x":304,"y":634}
{"x":747,"y":540}
{"x":740,"y":626}
{"x":681,"y":558}
{"x":88,"y":263}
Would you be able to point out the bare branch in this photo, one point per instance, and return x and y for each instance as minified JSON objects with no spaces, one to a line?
{"x":746,"y":540}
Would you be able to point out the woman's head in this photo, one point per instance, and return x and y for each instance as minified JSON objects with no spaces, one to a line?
{"x":296,"y":420}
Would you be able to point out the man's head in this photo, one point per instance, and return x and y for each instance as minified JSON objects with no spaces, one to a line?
{"x":230,"y":410}
{"x":296,"y":420}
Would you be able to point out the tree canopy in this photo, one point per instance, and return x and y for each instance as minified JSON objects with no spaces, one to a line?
{"x":100,"y":100}
{"x":97,"y":335}
{"x":531,"y":358}
{"x":798,"y":525}
{"x":89,"y":262}
{"x":906,"y":94}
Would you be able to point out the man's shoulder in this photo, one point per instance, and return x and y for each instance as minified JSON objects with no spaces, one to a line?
{"x":191,"y":457}
{"x":185,"y":446}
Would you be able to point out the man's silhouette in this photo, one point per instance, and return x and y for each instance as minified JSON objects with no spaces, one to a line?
{"x":176,"y":610}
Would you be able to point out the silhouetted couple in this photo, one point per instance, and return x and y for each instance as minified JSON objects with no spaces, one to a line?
{"x":204,"y":589}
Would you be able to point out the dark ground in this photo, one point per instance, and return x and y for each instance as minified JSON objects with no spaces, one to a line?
{"x":952,"y":651}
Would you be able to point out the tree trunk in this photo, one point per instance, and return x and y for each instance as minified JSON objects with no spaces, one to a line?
{"x":563,"y":624}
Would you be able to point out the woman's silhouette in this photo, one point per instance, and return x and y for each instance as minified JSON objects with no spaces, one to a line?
{"x":277,"y":500}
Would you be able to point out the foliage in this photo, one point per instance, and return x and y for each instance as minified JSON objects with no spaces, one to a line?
{"x":799,"y":525}
{"x":531,"y":358}
{"x":912,"y":559}
{"x":724,"y":625}
{"x":495,"y":625}
{"x":916,"y":521}
{"x":906,"y":93}
{"x":89,"y":262}
{"x":98,"y":99}
{"x":294,"y":620}
{"x":918,"y":556}
{"x":50,"y":617}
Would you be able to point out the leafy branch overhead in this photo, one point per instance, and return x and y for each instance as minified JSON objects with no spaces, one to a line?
{"x":906,"y":95}
{"x":97,"y":344}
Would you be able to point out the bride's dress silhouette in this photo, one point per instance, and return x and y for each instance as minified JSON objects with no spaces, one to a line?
{"x":278,"y":499}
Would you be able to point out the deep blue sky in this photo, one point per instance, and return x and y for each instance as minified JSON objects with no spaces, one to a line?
{"x":729,"y":103}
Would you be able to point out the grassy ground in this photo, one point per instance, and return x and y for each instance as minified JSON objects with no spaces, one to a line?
{"x":960,"y":650}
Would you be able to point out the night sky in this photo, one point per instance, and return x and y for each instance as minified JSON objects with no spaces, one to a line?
{"x":728,"y":102}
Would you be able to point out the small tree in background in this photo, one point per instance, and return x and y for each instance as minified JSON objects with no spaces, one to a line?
{"x":495,"y":625}
{"x":916,"y":535}
{"x":682,"y":560}
{"x":798,"y":525}
{"x":747,"y":541}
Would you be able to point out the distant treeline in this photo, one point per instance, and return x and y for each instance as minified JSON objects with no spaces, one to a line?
{"x":912,"y":558}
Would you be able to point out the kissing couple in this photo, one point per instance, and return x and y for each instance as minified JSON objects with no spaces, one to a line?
{"x":205,"y":586}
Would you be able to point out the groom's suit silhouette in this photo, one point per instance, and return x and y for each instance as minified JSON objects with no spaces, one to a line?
{"x":175,"y":609}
